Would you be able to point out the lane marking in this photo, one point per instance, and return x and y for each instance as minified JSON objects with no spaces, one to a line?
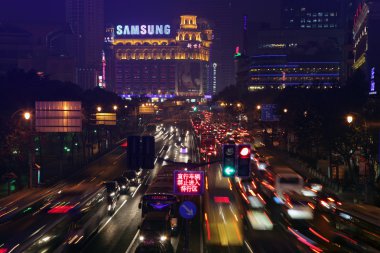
{"x":133,"y":241}
{"x":110,"y":218}
{"x":249,"y":247}
{"x":138,"y":187}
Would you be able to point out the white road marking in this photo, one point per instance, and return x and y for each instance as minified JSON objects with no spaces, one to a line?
{"x":249,"y":247}
{"x":138,"y":187}
{"x":133,"y":241}
{"x":110,"y":218}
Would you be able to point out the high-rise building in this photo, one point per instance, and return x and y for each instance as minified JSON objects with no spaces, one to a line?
{"x":86,"y":19}
{"x":366,"y":39}
{"x":301,"y":14}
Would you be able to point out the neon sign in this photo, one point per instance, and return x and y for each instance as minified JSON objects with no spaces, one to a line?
{"x":372,"y":90}
{"x":142,"y":30}
{"x":188,"y":182}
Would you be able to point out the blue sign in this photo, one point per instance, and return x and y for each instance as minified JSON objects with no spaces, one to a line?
{"x":187,"y":210}
{"x":269,"y":112}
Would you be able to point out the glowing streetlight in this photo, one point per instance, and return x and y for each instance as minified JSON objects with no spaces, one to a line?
{"x":99,"y":108}
{"x":238,"y":105}
{"x":115,"y":107}
{"x":27,"y":115}
{"x":258,"y":107}
{"x":285,"y":110}
{"x":349,"y":119}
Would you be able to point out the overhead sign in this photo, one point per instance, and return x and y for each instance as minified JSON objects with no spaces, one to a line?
{"x":58,"y":116}
{"x":188,"y":182}
{"x":125,"y":30}
{"x":269,"y":112}
{"x":105,"y":118}
{"x":187,"y":210}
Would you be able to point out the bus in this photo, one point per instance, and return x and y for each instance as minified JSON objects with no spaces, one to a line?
{"x":275,"y":181}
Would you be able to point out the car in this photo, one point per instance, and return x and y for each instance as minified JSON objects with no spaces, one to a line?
{"x":315,"y":184}
{"x":133,"y":176}
{"x":155,"y":227}
{"x":154,"y":248}
{"x":111,"y":204}
{"x":124,"y":184}
{"x":112,"y":188}
{"x":328,"y":201}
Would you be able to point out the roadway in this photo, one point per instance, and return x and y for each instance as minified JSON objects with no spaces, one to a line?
{"x":120,"y":234}
{"x":30,"y":221}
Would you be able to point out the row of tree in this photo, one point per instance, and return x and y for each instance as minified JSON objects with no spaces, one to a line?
{"x":317,"y":117}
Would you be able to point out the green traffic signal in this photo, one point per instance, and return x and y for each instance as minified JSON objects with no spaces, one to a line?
{"x":228,"y":171}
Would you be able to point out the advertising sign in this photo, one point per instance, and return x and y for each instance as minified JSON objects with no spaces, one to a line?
{"x":188,"y":182}
{"x":58,"y":116}
{"x":189,"y":77}
{"x":103,"y":118}
{"x":144,"y":30}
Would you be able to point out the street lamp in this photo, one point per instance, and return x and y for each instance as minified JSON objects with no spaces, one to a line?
{"x":238,"y":105}
{"x":27,"y":115}
{"x":115,"y":107}
{"x":349,"y":119}
{"x":258,"y":107}
{"x":99,"y":108}
{"x":285,"y":110}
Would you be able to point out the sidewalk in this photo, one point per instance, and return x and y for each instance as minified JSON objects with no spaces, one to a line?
{"x":278,"y":157}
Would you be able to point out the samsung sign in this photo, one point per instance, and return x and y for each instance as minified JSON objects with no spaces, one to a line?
{"x":124,"y":30}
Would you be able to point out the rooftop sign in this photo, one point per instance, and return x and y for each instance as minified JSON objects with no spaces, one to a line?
{"x":126,"y":30}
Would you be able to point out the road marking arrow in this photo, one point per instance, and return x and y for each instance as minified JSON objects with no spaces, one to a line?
{"x":188,"y":210}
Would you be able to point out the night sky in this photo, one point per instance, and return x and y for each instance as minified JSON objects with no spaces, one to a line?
{"x":121,"y":11}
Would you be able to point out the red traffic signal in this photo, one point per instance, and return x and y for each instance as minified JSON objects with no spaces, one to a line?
{"x":245,"y":151}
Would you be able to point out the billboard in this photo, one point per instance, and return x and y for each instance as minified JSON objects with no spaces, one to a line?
{"x":103,"y":118}
{"x":58,"y":116}
{"x":189,"y":79}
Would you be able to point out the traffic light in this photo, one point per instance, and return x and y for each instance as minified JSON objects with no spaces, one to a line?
{"x":244,"y":160}
{"x":133,"y":152}
{"x":148,"y":152}
{"x":229,"y":160}
{"x":140,"y":152}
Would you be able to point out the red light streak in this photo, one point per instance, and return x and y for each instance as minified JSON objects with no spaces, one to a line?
{"x":319,"y":235}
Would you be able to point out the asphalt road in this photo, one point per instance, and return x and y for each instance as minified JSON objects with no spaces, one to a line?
{"x":120,"y":234}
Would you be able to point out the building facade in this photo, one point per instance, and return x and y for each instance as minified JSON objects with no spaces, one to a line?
{"x":278,"y":71}
{"x":300,"y":14}
{"x":366,"y":39}
{"x":159,"y":60}
{"x":86,"y":19}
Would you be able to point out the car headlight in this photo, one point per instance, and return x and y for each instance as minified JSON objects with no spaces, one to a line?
{"x":163,"y":238}
{"x":112,"y":194}
{"x":109,"y":207}
{"x":141,"y":238}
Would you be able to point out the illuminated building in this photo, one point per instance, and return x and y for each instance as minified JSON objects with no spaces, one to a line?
{"x":366,"y":39}
{"x":158,"y":59}
{"x":86,"y":19}
{"x":301,"y":14}
{"x":276,"y":71}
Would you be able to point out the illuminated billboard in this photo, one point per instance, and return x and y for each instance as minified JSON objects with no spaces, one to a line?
{"x":189,"y":79}
{"x":58,"y":116}
{"x":153,"y":30}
